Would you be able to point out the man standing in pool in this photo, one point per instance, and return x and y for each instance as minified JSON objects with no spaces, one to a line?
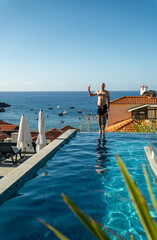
{"x":102,"y":107}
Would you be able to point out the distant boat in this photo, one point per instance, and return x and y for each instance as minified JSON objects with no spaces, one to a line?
{"x":72,"y":107}
{"x":50,"y":108}
{"x":65,"y":112}
{"x":79,"y":111}
{"x":60,"y":114}
{"x":31,"y":109}
{"x":62,"y":121}
{"x":58,"y":106}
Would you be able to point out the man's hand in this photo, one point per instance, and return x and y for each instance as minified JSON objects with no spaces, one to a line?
{"x":91,"y":94}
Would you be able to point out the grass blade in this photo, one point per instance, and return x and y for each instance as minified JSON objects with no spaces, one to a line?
{"x":110,"y":231}
{"x":55,"y":231}
{"x":89,"y":223}
{"x":139,"y":203}
{"x":150,"y":189}
{"x":99,"y":231}
{"x":131,"y":237}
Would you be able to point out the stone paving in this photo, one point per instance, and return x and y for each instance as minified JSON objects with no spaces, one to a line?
{"x":7,"y":166}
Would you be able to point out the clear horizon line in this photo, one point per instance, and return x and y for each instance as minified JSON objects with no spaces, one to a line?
{"x":72,"y":91}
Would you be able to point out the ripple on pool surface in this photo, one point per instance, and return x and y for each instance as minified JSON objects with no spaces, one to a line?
{"x":85,"y":169}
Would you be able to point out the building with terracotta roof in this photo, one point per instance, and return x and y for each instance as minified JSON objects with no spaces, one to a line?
{"x":3,"y":136}
{"x":50,"y":135}
{"x":34,"y":134}
{"x":132,"y":125}
{"x":65,"y":128}
{"x":128,"y":125}
{"x":8,"y":128}
{"x":135,"y":107}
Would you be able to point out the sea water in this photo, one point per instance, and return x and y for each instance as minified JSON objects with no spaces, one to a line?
{"x":30,"y":103}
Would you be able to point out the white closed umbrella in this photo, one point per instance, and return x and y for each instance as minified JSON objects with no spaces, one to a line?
{"x":41,"y":140}
{"x":24,"y":140}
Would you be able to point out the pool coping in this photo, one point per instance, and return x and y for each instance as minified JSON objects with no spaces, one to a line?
{"x":10,"y":184}
{"x":151,"y":160}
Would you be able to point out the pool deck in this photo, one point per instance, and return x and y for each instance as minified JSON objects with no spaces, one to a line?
{"x":7,"y":166}
{"x":14,"y":175}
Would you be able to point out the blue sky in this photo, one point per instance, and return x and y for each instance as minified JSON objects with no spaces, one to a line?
{"x":66,"y":45}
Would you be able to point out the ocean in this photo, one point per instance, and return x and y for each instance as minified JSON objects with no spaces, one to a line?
{"x":30,"y":103}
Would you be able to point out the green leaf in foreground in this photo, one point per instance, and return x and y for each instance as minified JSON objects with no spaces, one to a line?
{"x":131,"y":237}
{"x":55,"y":231}
{"x":139,"y":203}
{"x":88,"y":222}
{"x":150,"y":189}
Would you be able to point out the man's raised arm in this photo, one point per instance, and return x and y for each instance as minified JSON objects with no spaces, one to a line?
{"x":91,"y":94}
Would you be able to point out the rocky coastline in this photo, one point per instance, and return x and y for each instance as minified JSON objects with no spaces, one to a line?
{"x":3,"y":105}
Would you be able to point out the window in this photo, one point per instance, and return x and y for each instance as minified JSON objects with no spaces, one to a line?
{"x":145,"y":113}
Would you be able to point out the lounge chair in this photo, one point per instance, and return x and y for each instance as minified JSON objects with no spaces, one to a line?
{"x":1,"y":157}
{"x":7,"y":151}
{"x":34,"y":146}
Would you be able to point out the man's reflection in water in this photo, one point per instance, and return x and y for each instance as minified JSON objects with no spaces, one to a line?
{"x":102,"y":155}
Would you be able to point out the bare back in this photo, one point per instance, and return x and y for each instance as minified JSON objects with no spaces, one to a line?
{"x":102,"y":96}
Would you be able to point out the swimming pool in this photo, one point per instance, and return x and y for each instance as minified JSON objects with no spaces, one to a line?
{"x":85,"y":169}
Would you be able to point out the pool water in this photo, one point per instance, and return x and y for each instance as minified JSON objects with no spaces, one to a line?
{"x":86,"y":170}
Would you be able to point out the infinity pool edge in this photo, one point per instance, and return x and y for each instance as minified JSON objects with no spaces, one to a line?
{"x":10,"y":183}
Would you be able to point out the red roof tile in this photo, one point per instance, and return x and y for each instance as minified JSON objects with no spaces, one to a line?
{"x":129,"y":125}
{"x":135,"y":100}
{"x":34,"y":135}
{"x":51,"y":134}
{"x":3,"y":136}
{"x":4,"y":126}
{"x":68,"y":127}
{"x":5,"y":123}
{"x":117,"y":126}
